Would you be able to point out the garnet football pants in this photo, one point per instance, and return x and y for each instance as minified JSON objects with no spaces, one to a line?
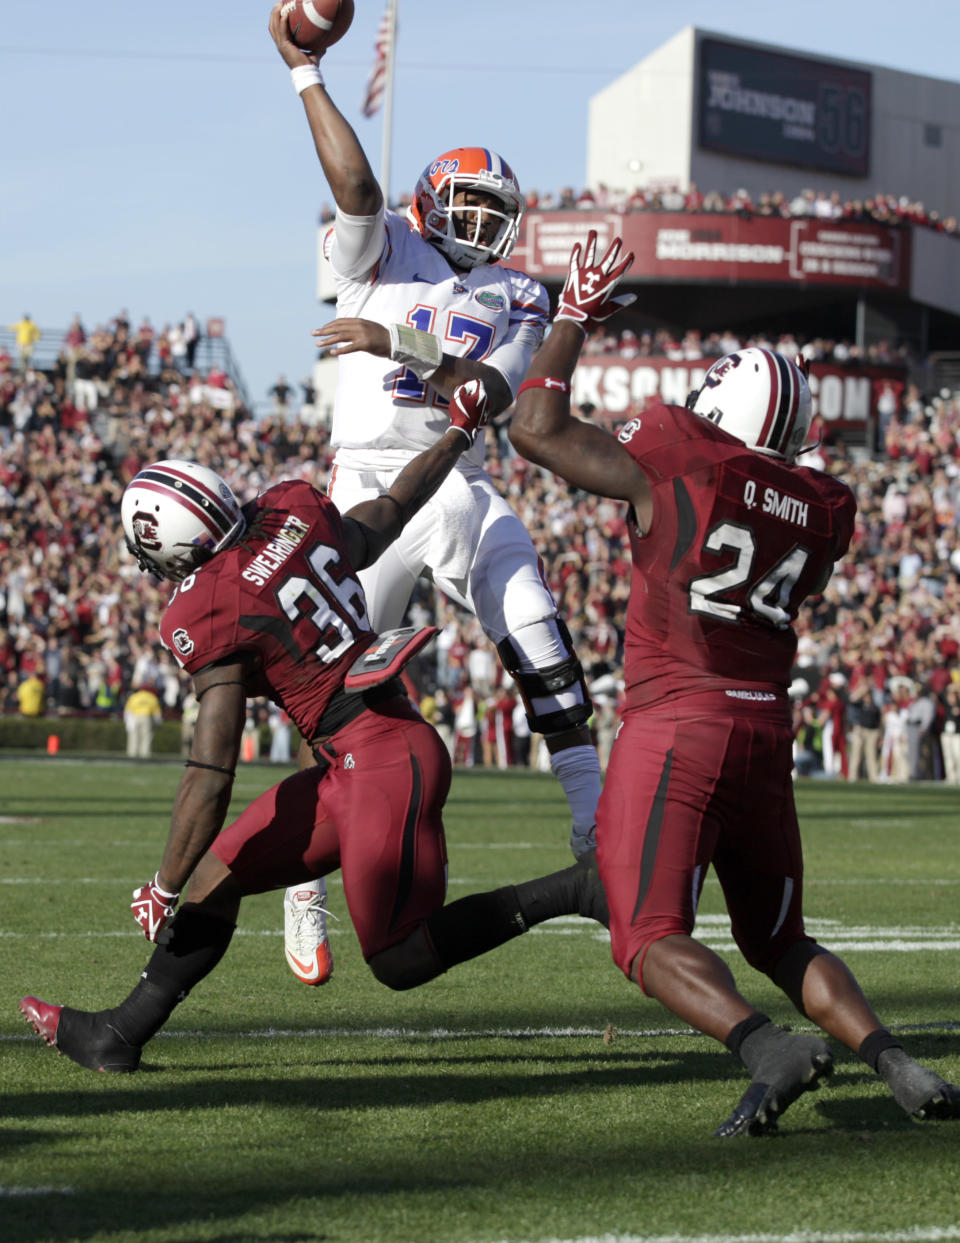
{"x":376,"y":813}
{"x":703,"y":781}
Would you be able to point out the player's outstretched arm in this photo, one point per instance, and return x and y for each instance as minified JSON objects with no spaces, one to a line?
{"x":345,"y":165}
{"x":372,"y":526}
{"x":203,"y":795}
{"x":543,"y":430}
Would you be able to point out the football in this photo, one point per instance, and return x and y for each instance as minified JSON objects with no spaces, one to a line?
{"x":316,"y":24}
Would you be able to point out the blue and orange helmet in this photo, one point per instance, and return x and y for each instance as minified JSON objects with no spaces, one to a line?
{"x":462,"y":231}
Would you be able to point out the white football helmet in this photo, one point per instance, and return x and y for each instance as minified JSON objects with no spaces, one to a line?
{"x":176,"y":515}
{"x":760,"y":397}
{"x":434,"y":215}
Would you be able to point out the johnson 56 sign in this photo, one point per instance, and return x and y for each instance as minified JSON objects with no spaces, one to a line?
{"x":784,"y":109}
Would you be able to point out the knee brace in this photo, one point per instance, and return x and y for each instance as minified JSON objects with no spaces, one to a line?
{"x":555,"y":696}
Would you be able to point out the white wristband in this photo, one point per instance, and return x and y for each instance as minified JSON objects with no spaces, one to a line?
{"x":303,"y":76}
{"x":420,"y":351}
{"x":167,"y":897}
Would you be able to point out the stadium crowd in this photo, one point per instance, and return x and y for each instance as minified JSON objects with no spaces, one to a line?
{"x":889,"y":209}
{"x":877,"y":681}
{"x":694,"y":345}
{"x":881,"y":208}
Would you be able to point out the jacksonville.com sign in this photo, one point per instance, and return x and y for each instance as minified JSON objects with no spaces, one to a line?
{"x":844,"y":397}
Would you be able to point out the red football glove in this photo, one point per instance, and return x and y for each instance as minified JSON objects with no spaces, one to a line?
{"x":469,"y":409}
{"x":152,"y":907}
{"x":586,"y":296}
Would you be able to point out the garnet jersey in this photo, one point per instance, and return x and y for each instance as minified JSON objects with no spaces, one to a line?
{"x":491,"y":314}
{"x":738,"y":540}
{"x":287,"y":596}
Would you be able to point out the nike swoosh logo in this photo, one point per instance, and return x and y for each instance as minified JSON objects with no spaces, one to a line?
{"x":308,"y":969}
{"x":424,"y":280}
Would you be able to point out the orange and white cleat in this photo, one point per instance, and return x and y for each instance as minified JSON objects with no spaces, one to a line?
{"x":306,"y":944}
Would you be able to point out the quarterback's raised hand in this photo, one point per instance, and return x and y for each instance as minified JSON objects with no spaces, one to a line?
{"x":280,"y":33}
{"x":587,"y":296}
{"x":152,"y":907}
{"x":469,"y":409}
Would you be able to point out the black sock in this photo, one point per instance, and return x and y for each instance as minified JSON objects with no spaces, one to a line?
{"x":575,"y":890}
{"x":478,"y":923}
{"x":745,"y":1028}
{"x":187,"y":950}
{"x":472,"y":925}
{"x":876,"y":1043}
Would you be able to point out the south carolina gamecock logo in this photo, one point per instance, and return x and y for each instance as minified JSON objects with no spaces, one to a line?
{"x":146,"y":532}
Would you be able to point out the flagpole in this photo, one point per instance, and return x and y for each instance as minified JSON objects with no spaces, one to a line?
{"x":387,"y":137}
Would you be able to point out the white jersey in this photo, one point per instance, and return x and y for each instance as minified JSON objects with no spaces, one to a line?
{"x":495,"y":315}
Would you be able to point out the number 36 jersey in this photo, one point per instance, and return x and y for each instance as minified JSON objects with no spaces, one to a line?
{"x":738,"y":541}
{"x":285,"y":596}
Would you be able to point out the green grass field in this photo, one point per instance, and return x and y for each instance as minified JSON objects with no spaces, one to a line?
{"x":531,"y":1095}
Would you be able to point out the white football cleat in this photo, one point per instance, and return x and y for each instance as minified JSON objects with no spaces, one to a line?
{"x":305,"y":941}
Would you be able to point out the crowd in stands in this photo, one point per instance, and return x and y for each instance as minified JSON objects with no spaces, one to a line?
{"x":880,"y":208}
{"x":877,"y":682}
{"x":694,"y":345}
{"x":889,"y":209}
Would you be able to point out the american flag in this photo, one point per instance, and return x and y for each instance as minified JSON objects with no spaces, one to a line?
{"x":383,"y":50}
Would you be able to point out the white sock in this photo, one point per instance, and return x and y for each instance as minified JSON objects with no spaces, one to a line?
{"x":578,"y":771}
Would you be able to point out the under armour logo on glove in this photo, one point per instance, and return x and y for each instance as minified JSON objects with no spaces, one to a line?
{"x":152,"y":907}
{"x":587,"y":296}
{"x":469,"y":408}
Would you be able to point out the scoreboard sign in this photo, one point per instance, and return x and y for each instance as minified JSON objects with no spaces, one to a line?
{"x":784,"y":109}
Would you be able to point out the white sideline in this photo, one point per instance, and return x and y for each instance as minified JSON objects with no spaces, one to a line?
{"x":454,"y":1034}
{"x":21,"y":1193}
{"x":916,"y":1234}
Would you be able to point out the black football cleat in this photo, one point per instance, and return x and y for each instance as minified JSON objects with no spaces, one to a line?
{"x":86,"y":1038}
{"x":943,"y":1105}
{"x":918,"y":1091}
{"x":793,"y":1065}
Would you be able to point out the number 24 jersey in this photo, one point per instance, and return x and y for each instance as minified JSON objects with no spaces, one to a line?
{"x":738,"y":541}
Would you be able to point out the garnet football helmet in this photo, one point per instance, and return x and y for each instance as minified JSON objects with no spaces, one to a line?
{"x":176,"y":515}
{"x":760,"y":397}
{"x":435,"y":216}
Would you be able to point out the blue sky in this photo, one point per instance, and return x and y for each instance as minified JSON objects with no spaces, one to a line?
{"x":155,"y":157}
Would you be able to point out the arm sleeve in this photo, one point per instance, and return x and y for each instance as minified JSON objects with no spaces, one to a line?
{"x":512,"y":356}
{"x":355,"y":243}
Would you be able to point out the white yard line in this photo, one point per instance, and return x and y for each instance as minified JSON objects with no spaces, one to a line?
{"x":915,"y":1234}
{"x":23,"y":1193}
{"x":455,"y":1034}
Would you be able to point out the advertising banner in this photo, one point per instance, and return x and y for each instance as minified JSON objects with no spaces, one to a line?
{"x":845,"y":397}
{"x":730,"y":249}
